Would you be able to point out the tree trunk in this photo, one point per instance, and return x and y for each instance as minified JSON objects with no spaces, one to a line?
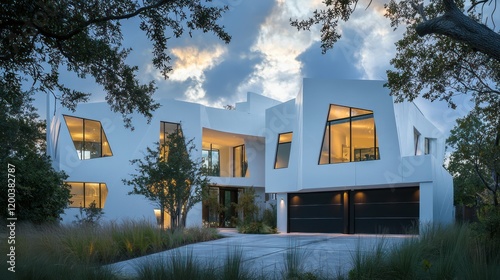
{"x":455,"y":25}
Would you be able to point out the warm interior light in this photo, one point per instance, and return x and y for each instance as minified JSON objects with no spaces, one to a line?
{"x":158,"y":216}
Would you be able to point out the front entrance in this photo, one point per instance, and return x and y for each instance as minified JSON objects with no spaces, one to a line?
{"x":219,"y":208}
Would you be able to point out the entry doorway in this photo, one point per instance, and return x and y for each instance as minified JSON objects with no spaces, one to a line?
{"x":228,"y":198}
{"x":219,"y":208}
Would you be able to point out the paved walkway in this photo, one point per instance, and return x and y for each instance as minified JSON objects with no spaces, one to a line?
{"x":323,"y":253}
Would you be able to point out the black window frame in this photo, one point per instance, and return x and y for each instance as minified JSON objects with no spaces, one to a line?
{"x":350,"y":120}
{"x":81,"y":157}
{"x":278,"y":147}
{"x":100,"y":193}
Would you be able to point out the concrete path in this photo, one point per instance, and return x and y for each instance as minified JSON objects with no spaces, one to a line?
{"x":327,"y":254}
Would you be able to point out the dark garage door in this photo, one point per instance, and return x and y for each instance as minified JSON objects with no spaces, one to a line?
{"x":315,"y":212}
{"x":394,"y":210}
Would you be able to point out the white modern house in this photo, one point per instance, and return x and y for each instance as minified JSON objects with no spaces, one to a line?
{"x":341,"y":157}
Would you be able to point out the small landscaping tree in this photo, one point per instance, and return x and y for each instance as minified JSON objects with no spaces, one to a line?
{"x":169,"y":178}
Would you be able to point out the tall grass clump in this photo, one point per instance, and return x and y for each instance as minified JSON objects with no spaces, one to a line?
{"x":49,"y":251}
{"x":441,"y":252}
{"x":294,"y":263}
{"x":367,"y":264}
{"x":185,"y":266}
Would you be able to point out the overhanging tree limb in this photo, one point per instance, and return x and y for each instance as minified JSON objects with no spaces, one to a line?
{"x":454,"y":24}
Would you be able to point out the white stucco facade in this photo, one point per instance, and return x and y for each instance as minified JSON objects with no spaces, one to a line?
{"x":257,"y":124}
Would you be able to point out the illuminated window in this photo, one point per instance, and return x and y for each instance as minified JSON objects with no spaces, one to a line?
{"x":210,"y":161}
{"x":83,"y":194}
{"x":283,"y":150}
{"x":240,"y":163}
{"x":167,"y":128}
{"x":89,"y":138}
{"x":350,"y":135}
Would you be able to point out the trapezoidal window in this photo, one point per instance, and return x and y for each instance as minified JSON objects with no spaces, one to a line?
{"x":88,"y":137}
{"x":83,"y":194}
{"x":283,"y":150}
{"x":167,"y":128}
{"x":350,"y":135}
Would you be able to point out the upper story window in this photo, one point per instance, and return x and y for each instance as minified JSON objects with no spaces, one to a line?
{"x":283,"y":150}
{"x":350,"y":135}
{"x":416,"y":142}
{"x":83,"y":194}
{"x":210,"y":161}
{"x":167,"y":128}
{"x":89,"y":138}
{"x":240,"y":163}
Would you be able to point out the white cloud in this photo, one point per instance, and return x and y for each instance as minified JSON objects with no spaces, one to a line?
{"x":279,"y":74}
{"x":373,"y":46}
{"x":191,"y":62}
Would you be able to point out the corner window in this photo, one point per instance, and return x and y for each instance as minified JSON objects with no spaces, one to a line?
{"x":283,"y":150}
{"x":83,"y":194}
{"x":167,"y":128}
{"x":350,"y":135}
{"x":88,"y":137}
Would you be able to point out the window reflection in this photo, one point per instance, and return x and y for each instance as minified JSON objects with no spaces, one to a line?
{"x":167,"y":128}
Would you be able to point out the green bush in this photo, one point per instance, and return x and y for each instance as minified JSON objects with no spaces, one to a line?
{"x":489,"y":222}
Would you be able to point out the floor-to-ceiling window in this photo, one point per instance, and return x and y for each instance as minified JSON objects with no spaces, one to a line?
{"x":350,"y":135}
{"x":211,"y":161}
{"x":240,"y":163}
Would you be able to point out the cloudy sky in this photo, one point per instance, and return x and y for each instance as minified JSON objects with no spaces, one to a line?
{"x":268,"y":56}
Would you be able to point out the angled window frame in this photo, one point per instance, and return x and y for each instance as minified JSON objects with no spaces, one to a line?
{"x":164,"y":132}
{"x":354,"y":114}
{"x":103,"y":139}
{"x":285,"y":145}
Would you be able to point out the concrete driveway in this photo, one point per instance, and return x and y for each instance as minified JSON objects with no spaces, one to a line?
{"x":327,"y":254}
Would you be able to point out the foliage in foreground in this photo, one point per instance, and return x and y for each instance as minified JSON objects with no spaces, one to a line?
{"x":169,"y":178}
{"x":454,"y":252}
{"x":253,"y":221}
{"x":49,"y":251}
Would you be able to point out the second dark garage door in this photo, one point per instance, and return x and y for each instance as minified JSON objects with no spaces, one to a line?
{"x":393,"y":210}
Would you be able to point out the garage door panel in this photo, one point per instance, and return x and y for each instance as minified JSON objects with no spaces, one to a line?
{"x":385,"y":225}
{"x":315,"y":198}
{"x":316,"y":211}
{"x":333,"y":225}
{"x":396,"y":195}
{"x":387,"y":210}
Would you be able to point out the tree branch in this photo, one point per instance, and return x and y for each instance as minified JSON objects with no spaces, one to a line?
{"x":85,"y":24}
{"x":454,"y":24}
